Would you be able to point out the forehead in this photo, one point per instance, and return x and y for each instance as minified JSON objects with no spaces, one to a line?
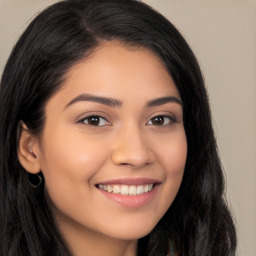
{"x":119,"y":71}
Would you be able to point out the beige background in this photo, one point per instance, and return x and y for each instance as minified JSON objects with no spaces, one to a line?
{"x":222,"y":34}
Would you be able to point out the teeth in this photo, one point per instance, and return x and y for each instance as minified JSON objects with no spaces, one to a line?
{"x":109,"y":188}
{"x":132,"y":190}
{"x":140,"y":190}
{"x":126,"y":189}
{"x":116,"y":189}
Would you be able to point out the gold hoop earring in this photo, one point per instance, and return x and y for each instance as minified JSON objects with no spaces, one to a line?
{"x":34,"y":180}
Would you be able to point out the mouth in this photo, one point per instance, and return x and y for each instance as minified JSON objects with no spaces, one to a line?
{"x":124,"y":189}
{"x":131,"y":193}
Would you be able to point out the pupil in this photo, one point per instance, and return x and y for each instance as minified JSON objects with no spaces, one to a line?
{"x":158,"y":120}
{"x":94,"y":120}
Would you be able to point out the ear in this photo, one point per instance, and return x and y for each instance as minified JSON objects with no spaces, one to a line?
{"x":28,"y":151}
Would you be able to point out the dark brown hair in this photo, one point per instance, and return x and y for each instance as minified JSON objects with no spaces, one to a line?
{"x":198,"y":222}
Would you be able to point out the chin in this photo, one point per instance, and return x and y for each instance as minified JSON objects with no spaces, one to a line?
{"x":134,"y":232}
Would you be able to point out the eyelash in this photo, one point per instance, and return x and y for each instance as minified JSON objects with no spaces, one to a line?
{"x":100,"y":119}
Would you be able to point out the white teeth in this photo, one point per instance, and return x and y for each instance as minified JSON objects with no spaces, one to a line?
{"x":139,"y":190}
{"x":132,"y":190}
{"x":116,"y":189}
{"x":126,"y":189}
{"x":109,"y":188}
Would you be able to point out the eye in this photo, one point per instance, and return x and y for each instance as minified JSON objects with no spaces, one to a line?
{"x":162,"y":120}
{"x":95,"y":121}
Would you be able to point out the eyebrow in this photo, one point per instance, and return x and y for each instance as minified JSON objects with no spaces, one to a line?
{"x":163,"y":100}
{"x":117,"y":103}
{"x":102,"y":100}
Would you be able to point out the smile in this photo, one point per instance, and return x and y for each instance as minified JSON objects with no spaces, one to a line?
{"x":126,"y":189}
{"x":128,"y":192}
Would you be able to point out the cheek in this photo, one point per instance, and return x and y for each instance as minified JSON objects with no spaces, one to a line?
{"x":72,"y":153}
{"x":175,"y":158}
{"x":69,"y":162}
{"x":173,"y":154}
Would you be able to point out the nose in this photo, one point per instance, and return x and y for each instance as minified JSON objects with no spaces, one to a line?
{"x":132,"y":148}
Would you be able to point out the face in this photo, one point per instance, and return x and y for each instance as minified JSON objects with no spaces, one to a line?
{"x":113,"y":148}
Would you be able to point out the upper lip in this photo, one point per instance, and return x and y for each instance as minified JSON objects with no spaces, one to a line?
{"x":131,"y":181}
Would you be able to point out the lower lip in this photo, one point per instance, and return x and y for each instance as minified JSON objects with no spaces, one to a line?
{"x":133,"y":201}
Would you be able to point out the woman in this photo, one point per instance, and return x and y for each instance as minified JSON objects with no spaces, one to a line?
{"x":107,"y":146}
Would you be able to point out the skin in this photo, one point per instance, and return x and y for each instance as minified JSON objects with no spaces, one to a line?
{"x":75,"y":154}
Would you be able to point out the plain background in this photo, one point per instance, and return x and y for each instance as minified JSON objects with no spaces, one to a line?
{"x":222,"y":34}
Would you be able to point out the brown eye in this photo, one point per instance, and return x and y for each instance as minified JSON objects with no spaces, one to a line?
{"x":158,"y":120}
{"x":95,"y":121}
{"x":161,"y":120}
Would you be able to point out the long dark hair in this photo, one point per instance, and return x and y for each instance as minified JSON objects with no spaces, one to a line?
{"x":198,"y":222}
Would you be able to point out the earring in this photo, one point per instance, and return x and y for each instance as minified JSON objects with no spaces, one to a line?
{"x":34,"y":180}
